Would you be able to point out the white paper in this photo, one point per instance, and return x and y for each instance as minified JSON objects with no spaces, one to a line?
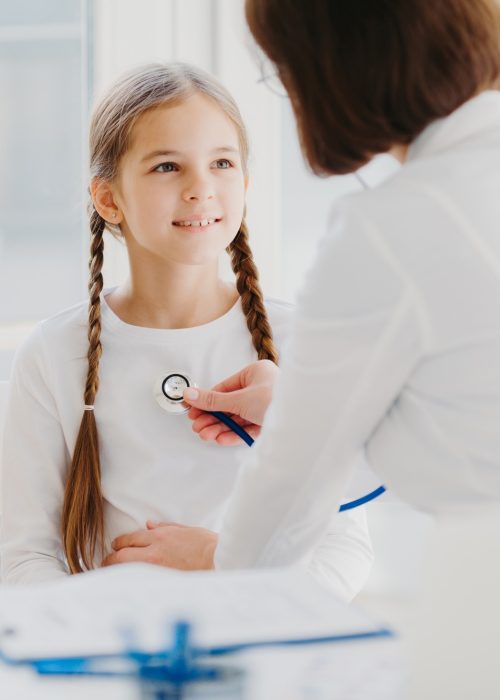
{"x":87,"y":614}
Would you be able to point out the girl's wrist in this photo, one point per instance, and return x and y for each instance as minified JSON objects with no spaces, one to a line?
{"x":209,"y":551}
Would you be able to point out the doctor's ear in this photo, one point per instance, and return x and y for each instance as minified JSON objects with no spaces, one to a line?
{"x":103,"y":199}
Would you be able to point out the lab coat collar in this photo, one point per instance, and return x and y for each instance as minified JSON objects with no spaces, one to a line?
{"x":479,"y":114}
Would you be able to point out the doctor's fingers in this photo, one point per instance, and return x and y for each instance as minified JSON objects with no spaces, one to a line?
{"x":207,"y":419}
{"x":228,"y":438}
{"x":231,"y":402}
{"x":195,"y":412}
{"x":224,"y":436}
{"x":233,"y":383}
{"x":209,"y":426}
{"x":258,"y":372}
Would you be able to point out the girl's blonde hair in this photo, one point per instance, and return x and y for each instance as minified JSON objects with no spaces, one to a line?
{"x":111,"y":127}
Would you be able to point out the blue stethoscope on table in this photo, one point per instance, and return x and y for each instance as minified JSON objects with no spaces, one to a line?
{"x":169,"y":393}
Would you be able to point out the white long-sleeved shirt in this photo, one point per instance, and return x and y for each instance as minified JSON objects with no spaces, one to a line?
{"x":153,"y":465}
{"x":395,"y":348}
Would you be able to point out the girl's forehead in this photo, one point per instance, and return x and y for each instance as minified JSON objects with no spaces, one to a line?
{"x":192,"y":123}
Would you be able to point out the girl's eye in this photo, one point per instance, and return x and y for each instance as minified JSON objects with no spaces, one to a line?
{"x":223,"y":164}
{"x":166,"y":168}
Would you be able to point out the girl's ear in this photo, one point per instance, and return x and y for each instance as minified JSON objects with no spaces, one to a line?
{"x":246,"y":183}
{"x":104,"y":202}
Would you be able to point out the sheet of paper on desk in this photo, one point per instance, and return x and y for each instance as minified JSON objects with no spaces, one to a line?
{"x":87,"y":614}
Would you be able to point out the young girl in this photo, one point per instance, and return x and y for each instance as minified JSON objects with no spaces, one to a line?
{"x":89,"y":454}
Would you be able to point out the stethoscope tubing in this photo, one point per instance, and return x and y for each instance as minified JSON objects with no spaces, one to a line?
{"x":242,"y":433}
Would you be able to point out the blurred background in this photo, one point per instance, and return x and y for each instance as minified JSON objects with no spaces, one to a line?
{"x":56,"y":58}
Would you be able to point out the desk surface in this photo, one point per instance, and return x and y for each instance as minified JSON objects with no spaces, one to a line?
{"x":371,"y":670}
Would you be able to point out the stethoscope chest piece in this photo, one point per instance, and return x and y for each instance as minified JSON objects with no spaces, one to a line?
{"x":169,"y":391}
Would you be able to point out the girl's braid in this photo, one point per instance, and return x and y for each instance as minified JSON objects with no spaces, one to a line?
{"x":252,"y":301}
{"x":97,"y":225}
{"x":82,"y":513}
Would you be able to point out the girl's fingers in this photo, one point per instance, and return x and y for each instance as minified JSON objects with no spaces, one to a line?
{"x":126,"y":555}
{"x":141,"y":538}
{"x":153,"y":524}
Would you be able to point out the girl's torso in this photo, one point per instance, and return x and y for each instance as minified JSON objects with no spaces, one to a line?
{"x":153,"y":465}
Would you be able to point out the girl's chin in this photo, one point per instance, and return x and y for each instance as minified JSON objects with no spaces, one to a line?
{"x":193,"y":260}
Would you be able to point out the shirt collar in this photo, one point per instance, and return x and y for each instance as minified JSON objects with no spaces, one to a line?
{"x":479,"y":114}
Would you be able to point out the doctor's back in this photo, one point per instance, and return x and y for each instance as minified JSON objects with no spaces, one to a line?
{"x":427,"y":278}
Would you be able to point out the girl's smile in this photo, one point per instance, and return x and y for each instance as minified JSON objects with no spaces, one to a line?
{"x":198,"y":222}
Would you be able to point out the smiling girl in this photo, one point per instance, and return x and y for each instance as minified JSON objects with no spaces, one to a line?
{"x":89,"y":455}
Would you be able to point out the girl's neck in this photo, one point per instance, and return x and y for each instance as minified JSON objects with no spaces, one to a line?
{"x":174,"y":296}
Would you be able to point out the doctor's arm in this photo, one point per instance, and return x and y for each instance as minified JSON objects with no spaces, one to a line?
{"x":33,"y":460}
{"x":343,"y":559}
{"x":357,"y":336}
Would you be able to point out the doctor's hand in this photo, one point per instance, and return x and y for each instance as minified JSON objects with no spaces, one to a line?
{"x":166,"y":544}
{"x":245,"y":397}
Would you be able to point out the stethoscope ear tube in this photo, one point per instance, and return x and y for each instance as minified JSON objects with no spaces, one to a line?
{"x":249,"y":441}
{"x":233,"y":425}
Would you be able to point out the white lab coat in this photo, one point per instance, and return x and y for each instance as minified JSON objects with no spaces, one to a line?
{"x":401,"y":313}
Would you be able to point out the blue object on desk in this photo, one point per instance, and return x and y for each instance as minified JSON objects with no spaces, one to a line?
{"x":178,"y":663}
{"x":242,"y":433}
{"x":173,"y":674}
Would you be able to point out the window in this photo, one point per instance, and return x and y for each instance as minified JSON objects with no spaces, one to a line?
{"x":43,"y":74}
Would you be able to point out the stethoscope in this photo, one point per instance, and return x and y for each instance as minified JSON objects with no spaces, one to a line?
{"x":169,"y":393}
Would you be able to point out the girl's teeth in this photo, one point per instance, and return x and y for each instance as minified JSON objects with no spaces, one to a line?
{"x":203,"y":222}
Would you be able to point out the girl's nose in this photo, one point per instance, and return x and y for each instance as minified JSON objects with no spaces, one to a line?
{"x":197,"y":190}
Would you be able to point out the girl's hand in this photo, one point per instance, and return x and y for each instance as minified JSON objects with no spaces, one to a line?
{"x":245,"y":397}
{"x":166,"y":544}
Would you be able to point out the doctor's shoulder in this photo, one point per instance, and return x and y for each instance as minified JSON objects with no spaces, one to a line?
{"x":396,"y":213}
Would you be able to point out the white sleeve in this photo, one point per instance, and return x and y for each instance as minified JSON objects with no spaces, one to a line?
{"x":34,"y":460}
{"x":359,"y":331}
{"x":343,"y":559}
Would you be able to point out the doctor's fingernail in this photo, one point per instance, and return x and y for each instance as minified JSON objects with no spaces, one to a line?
{"x":191,"y":394}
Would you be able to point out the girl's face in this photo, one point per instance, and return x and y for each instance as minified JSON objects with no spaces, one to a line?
{"x":180,"y":187}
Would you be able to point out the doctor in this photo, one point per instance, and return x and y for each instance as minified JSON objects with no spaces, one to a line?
{"x":396,"y":342}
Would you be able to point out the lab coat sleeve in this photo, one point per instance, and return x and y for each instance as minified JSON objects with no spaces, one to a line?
{"x":33,"y":461}
{"x":359,"y":331}
{"x":342,"y":560}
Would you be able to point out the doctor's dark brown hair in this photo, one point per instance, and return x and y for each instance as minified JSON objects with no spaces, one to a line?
{"x":364,"y":75}
{"x":112,"y":124}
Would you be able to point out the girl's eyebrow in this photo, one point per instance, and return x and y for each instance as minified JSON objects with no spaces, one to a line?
{"x":176,"y":154}
{"x":226,"y":149}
